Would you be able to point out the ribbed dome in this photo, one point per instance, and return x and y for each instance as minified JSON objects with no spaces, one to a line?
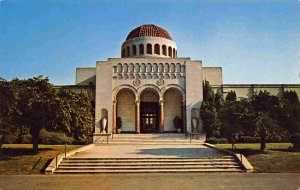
{"x":148,"y":30}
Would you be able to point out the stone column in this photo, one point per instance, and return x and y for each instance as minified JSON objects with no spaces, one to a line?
{"x":137,"y":117}
{"x":183,"y":109}
{"x":114,"y":122}
{"x":161,"y":117}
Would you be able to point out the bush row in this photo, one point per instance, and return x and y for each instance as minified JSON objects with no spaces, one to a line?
{"x":246,"y":139}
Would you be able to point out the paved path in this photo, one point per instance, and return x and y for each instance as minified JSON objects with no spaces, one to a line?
{"x":144,"y":151}
{"x":152,"y":181}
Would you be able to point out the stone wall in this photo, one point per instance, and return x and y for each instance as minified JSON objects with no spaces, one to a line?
{"x":172,"y":107}
{"x":248,"y":90}
{"x":213,"y":75}
{"x":85,"y":76}
{"x":126,"y":109}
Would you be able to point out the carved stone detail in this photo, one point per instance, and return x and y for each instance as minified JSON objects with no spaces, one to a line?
{"x":136,"y":82}
{"x":160,"y":82}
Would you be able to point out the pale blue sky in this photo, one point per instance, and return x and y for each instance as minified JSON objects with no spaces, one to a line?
{"x":254,"y":41}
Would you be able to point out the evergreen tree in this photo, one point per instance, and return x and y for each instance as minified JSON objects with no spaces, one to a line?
{"x":231,"y":96}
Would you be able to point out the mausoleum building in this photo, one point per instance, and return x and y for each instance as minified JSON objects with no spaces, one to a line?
{"x":149,"y":85}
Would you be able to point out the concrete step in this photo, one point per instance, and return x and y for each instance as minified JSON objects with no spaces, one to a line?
{"x":146,"y":163}
{"x":147,"y":171}
{"x":75,"y":165}
{"x":130,"y":160}
{"x":151,"y":143}
{"x":146,"y":167}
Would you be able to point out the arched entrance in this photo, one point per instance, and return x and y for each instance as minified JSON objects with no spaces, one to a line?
{"x":126,"y":109}
{"x":149,"y":111}
{"x":173,"y":107}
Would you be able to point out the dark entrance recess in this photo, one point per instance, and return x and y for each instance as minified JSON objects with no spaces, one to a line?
{"x":149,"y":117}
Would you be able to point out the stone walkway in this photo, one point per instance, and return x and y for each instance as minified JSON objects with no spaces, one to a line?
{"x":203,"y":181}
{"x":146,"y":151}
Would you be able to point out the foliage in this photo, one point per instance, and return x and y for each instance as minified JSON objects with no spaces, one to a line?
{"x":38,"y":105}
{"x":295,"y":140}
{"x":47,"y":137}
{"x":8,"y":104}
{"x":210,"y":120}
{"x":231,"y":96}
{"x":237,"y":117}
{"x":215,"y":140}
{"x":218,"y":101}
{"x":266,"y":103}
{"x":291,"y":96}
{"x":30,"y":105}
{"x":208,"y":94}
{"x":290,"y":113}
{"x":249,"y":139}
{"x":265,"y":127}
{"x":76,"y":115}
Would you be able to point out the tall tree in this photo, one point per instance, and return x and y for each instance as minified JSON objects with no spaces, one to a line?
{"x":219,"y":101}
{"x":208,"y":93}
{"x":77,"y":116}
{"x":8,"y":109}
{"x":237,"y":117}
{"x":265,"y":127}
{"x":209,"y":118}
{"x":231,"y":96}
{"x":39,"y":106}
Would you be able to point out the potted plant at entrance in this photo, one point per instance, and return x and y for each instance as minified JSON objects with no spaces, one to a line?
{"x":177,"y":121}
{"x":119,"y":124}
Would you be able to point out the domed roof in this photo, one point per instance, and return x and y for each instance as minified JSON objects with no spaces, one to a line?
{"x":148,"y":30}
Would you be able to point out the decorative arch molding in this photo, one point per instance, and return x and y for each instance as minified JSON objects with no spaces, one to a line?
{"x":175,"y":86}
{"x":121,"y":87}
{"x":149,"y":86}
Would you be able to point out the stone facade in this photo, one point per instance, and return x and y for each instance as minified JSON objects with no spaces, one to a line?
{"x":149,"y":85}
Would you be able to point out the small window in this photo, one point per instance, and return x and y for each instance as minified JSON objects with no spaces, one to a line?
{"x":141,"y":49}
{"x":134,"y":50}
{"x":164,"y":50}
{"x":170,"y":51}
{"x":149,"y":49}
{"x":157,"y":49}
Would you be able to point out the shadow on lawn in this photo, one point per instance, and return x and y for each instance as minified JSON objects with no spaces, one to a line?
{"x":13,"y":152}
{"x":247,"y":151}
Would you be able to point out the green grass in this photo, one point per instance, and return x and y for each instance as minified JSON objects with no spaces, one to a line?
{"x":276,"y":160}
{"x":19,"y":159}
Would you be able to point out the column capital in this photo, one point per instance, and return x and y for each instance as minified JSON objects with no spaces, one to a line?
{"x":137,"y":101}
{"x":161,"y":101}
{"x":114,"y":101}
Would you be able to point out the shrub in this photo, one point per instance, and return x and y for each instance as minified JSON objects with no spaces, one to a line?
{"x":295,"y":140}
{"x":214,"y":140}
{"x":27,"y":139}
{"x":47,"y":137}
{"x":248,"y":139}
{"x":274,"y":138}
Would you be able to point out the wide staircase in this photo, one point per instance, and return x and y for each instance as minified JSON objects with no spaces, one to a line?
{"x":148,"y":165}
{"x":151,"y":164}
{"x":171,"y":138}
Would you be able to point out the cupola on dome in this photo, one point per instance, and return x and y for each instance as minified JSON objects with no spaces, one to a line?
{"x":148,"y":30}
{"x":149,"y":41}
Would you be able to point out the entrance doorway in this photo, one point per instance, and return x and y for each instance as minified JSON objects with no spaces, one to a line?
{"x":149,"y":117}
{"x":149,"y":114}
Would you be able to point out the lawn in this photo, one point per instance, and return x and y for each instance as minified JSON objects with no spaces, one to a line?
{"x":276,"y":160}
{"x":18,"y":158}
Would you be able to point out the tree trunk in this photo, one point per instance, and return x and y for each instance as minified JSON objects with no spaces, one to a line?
{"x":263,"y":145}
{"x":35,"y":144}
{"x":35,"y":133}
